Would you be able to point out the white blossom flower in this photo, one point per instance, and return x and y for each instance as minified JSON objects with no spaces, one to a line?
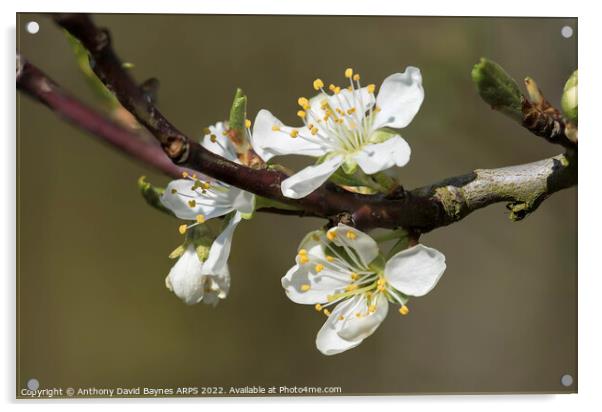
{"x":199,"y":200}
{"x":339,"y":128}
{"x":343,"y":267}
{"x":193,"y":280}
{"x":195,"y":199}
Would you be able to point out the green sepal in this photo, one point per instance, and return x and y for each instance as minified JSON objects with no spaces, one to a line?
{"x":238,"y":111}
{"x":378,"y":264}
{"x":202,"y":239}
{"x":177,"y":252}
{"x":498,"y":89}
{"x":569,"y":100}
{"x":249,"y":216}
{"x":152,"y":195}
{"x":349,"y":165}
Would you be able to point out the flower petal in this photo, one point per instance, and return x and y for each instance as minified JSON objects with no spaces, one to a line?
{"x":217,"y":261}
{"x":217,"y":142}
{"x":363,"y":246}
{"x":309,"y":179}
{"x":268,"y":143}
{"x":380,"y":156}
{"x":303,"y":285}
{"x":399,"y":99}
{"x":219,"y":202}
{"x":415,"y":271}
{"x":328,"y":341}
{"x":354,"y":328}
{"x":185,"y":278}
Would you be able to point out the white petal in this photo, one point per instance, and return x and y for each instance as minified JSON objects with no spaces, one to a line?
{"x":309,"y":179}
{"x":354,"y":328}
{"x":222,"y":146}
{"x":327,"y":282}
{"x":399,"y":99}
{"x":363,"y":246}
{"x":328,"y":341}
{"x":217,"y":261}
{"x":268,"y":143}
{"x":415,"y":271}
{"x":218,"y":203}
{"x":185,"y":278}
{"x":380,"y":156}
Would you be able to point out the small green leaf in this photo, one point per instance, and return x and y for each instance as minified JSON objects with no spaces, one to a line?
{"x":498,"y":89}
{"x":238,"y":111}
{"x":152,"y":195}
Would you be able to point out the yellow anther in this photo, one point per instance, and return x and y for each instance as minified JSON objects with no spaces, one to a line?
{"x":330,"y":235}
{"x":205,"y":185}
{"x":350,"y":88}
{"x":358,"y":315}
{"x":351,"y":111}
{"x":404,"y":310}
{"x":206,"y":130}
{"x":213,"y":138}
{"x":302,"y":251}
{"x":200,"y":218}
{"x":348,"y":73}
{"x":381,"y":282}
{"x":294,"y":133}
{"x":337,"y":90}
{"x":314,"y":131}
{"x":329,"y":258}
{"x":319,"y":267}
{"x":376,"y":109}
{"x":341,"y":317}
{"x":275,"y":128}
{"x":331,"y":87}
{"x":184,"y":175}
{"x":371,"y":88}
{"x":324,"y":103}
{"x":315,"y":237}
{"x":380,"y":288}
{"x":303,"y":259}
{"x":174,"y":191}
{"x":305,"y":287}
{"x":351,"y":287}
{"x":182,"y":229}
{"x":247,"y":123}
{"x":326,"y":312}
{"x":192,"y":203}
{"x":372,"y":308}
{"x":303,"y":102}
{"x":351,"y":235}
{"x":318,"y":307}
{"x":356,"y":77}
{"x":301,"y":114}
{"x":354,"y":276}
{"x":318,"y":84}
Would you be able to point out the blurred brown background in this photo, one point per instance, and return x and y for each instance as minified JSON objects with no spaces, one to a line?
{"x":93,"y":309}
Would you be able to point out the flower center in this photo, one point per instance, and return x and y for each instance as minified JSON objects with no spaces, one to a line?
{"x":342,"y":263}
{"x":205,"y":193}
{"x":340,"y":121}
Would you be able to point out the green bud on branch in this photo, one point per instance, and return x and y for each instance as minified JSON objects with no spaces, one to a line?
{"x":498,"y":89}
{"x":569,"y":98}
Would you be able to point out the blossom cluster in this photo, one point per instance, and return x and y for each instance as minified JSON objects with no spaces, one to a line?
{"x":341,"y":271}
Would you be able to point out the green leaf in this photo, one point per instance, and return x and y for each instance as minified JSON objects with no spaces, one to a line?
{"x":152,"y":195}
{"x":238,"y":111}
{"x":498,"y":89}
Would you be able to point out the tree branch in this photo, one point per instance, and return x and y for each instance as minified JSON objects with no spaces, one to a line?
{"x":421,"y":210}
